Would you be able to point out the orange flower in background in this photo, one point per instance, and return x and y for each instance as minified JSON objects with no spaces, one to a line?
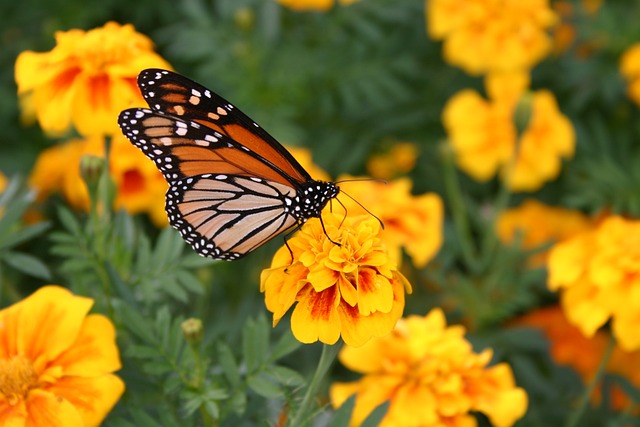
{"x":314,"y":5}
{"x":87,"y":79}
{"x":570,"y":347}
{"x":303,"y":156}
{"x":630,"y":70}
{"x":56,"y":362}
{"x":537,"y":224}
{"x":353,"y":290}
{"x":3,"y":181}
{"x":597,"y":273}
{"x":431,"y":377}
{"x":140,"y":186}
{"x":398,"y":160}
{"x":412,"y":222}
{"x":484,"y":138}
{"x":481,"y":36}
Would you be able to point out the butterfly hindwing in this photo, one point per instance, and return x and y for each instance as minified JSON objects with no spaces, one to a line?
{"x":224,"y":216}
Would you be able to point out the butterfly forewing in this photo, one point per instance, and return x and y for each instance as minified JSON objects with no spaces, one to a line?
{"x":182,"y":97}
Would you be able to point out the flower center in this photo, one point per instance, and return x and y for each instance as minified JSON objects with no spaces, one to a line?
{"x":17,"y":377}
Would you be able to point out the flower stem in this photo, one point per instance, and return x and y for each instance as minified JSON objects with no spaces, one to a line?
{"x":458,"y":209}
{"x":586,"y":396}
{"x":329,"y":353}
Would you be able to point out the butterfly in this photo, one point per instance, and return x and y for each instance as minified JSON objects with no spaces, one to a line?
{"x":232,"y":186}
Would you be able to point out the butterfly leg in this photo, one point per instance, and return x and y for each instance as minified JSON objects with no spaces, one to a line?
{"x":326,"y":234}
{"x":288,"y":236}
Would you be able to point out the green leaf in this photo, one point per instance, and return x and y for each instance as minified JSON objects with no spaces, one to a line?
{"x":342,"y":415}
{"x":262,"y":385}
{"x":285,"y":376}
{"x":286,"y":344}
{"x":376,"y":416}
{"x":25,"y":234}
{"x":228,"y":363}
{"x":27,"y":264}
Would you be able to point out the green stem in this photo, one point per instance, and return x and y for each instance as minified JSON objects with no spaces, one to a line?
{"x":329,"y":353}
{"x":586,"y":396}
{"x":458,"y":209}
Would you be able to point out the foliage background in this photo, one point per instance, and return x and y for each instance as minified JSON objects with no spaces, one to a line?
{"x":345,"y":83}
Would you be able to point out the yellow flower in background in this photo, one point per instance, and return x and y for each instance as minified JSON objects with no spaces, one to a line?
{"x":598,"y":275}
{"x":480,"y":36}
{"x":484,"y":137}
{"x":3,"y":181}
{"x":537,"y":224}
{"x":316,"y":5}
{"x":398,"y":160}
{"x":56,"y":362}
{"x":86,"y":79}
{"x":353,"y":290}
{"x":412,"y":222}
{"x":140,"y":186}
{"x":630,"y":70}
{"x":303,"y":156}
{"x":431,"y":377}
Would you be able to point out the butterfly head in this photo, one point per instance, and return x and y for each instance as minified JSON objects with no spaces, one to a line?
{"x":312,"y":197}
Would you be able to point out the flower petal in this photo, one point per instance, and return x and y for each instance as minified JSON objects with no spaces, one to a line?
{"x":315,"y":317}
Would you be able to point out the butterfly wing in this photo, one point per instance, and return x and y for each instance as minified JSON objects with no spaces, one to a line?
{"x":232,"y":185}
{"x":226,"y":217}
{"x":183,"y":98}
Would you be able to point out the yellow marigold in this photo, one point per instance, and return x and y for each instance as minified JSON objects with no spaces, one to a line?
{"x":317,"y":5}
{"x":569,"y":347}
{"x":353,"y":290}
{"x":483,"y":134}
{"x":630,"y":70}
{"x":431,"y":377}
{"x":56,"y":362}
{"x":481,"y":36}
{"x":87,"y":79}
{"x":412,"y":222}
{"x":537,"y":224}
{"x":598,"y":273}
{"x":140,"y":186}
{"x":398,"y":160}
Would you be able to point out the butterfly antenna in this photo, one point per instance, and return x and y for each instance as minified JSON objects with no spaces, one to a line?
{"x":362,"y":206}
{"x":382,"y":181}
{"x":345,"y":212}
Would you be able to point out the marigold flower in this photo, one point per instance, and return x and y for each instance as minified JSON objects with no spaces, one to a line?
{"x":56,"y":362}
{"x":140,"y":186}
{"x":317,"y":5}
{"x":3,"y":181}
{"x":481,"y":36}
{"x":569,"y":347}
{"x":598,"y":273}
{"x":431,"y":376}
{"x":537,"y":224}
{"x":303,"y":156}
{"x":412,"y":222}
{"x":353,"y":290}
{"x":484,"y":138}
{"x":399,"y":160}
{"x":87,"y":79}
{"x":630,"y":70}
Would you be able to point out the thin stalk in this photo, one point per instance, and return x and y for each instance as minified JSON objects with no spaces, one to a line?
{"x":586,"y":396}
{"x":328,"y":356}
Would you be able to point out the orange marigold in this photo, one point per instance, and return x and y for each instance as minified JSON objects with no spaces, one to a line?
{"x":537,"y":224}
{"x":431,"y":377}
{"x":140,"y":186}
{"x":630,"y":70}
{"x":482,"y":36}
{"x":317,"y":5}
{"x":598,"y":274}
{"x":56,"y":362}
{"x":353,"y":289}
{"x":412,"y":222}
{"x":570,"y":347}
{"x":87,"y":79}
{"x":398,"y":160}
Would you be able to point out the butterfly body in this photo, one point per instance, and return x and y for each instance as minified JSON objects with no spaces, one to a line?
{"x":233,"y":187}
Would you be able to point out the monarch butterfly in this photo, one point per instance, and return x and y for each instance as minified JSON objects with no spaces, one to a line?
{"x":233,"y":187}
